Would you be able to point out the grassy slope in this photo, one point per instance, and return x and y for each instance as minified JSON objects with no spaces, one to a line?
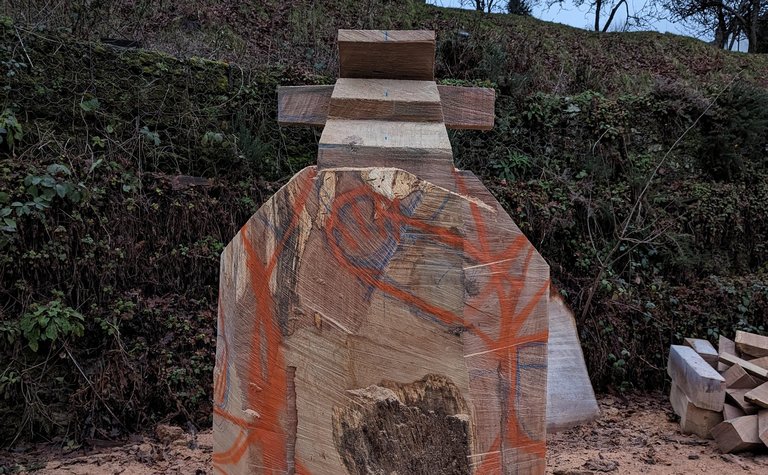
{"x":582,"y":120}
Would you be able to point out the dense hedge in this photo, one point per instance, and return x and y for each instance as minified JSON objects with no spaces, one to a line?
{"x":123,"y":173}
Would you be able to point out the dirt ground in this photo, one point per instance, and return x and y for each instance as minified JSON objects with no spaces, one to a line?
{"x":640,"y":434}
{"x":634,"y":435}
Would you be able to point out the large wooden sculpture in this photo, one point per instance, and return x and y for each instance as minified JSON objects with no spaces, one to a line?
{"x":381,"y":313}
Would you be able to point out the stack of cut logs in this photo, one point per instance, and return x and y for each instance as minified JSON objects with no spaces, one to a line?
{"x":723,"y":393}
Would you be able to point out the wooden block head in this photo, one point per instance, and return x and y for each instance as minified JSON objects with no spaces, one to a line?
{"x":387,"y":54}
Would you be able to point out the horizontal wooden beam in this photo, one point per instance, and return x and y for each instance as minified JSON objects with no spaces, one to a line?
{"x":737,"y":378}
{"x":750,"y":368}
{"x":386,"y":54}
{"x":421,"y":148}
{"x":386,"y":99}
{"x":738,"y":398}
{"x":463,"y":107}
{"x":698,"y":380}
{"x":303,"y":105}
{"x":758,"y":396}
{"x":737,"y":435}
{"x":704,"y":348}
{"x":387,"y":139}
{"x":468,"y":107}
{"x":751,"y":344}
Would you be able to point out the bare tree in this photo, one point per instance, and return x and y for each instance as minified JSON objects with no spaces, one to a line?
{"x":606,"y":11}
{"x":520,"y":7}
{"x":729,"y":20}
{"x":486,"y":6}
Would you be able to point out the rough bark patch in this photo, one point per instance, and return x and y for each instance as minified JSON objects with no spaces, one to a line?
{"x":416,"y":428}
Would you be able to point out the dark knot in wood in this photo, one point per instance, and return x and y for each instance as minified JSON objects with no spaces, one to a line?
{"x":414,"y":428}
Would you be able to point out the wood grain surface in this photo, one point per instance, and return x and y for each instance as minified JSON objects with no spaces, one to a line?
{"x":355,"y":280}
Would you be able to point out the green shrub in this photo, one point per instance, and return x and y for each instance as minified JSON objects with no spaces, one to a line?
{"x":50,"y":322}
{"x":10,"y":129}
{"x":737,"y":134}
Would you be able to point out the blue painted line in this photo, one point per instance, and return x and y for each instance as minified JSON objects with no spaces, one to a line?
{"x":414,"y":200}
{"x":518,"y":390}
{"x":440,"y":208}
{"x":301,"y":116}
{"x":268,"y":224}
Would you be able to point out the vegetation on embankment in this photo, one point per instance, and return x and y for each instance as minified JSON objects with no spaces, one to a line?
{"x":636,"y":163}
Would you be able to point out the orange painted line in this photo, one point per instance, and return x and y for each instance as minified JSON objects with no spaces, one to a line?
{"x":510,"y":325}
{"x":267,"y":432}
{"x":219,"y":384}
{"x":265,"y":374}
{"x":528,"y":259}
{"x":370,"y":277}
{"x":508,"y":303}
{"x":512,"y":431}
{"x":298,"y":208}
{"x":227,"y":454}
{"x":520,"y":318}
{"x":500,"y":265}
{"x":493,"y":460}
{"x":242,"y":423}
{"x":235,"y":454}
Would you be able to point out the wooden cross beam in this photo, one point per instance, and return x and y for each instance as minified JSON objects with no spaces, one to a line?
{"x":369,"y":61}
{"x":463,"y":107}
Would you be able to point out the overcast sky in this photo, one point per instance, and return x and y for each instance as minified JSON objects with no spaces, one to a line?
{"x":569,"y":14}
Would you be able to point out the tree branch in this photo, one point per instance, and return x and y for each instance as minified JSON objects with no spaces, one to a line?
{"x":613,"y":14}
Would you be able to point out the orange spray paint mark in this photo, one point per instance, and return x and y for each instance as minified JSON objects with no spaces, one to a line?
{"x":265,"y":433}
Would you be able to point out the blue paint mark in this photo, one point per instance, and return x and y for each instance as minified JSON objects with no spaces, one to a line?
{"x":376,"y":259}
{"x":440,"y":208}
{"x":221,"y":330}
{"x":227,"y":384}
{"x":410,"y":203}
{"x":268,"y":224}
{"x":324,"y":200}
{"x":518,"y":390}
{"x":386,"y":36}
{"x":386,"y":93}
{"x":408,"y":236}
{"x":424,"y":315}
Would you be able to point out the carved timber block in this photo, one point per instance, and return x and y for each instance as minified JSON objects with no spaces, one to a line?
{"x":366,"y":315}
